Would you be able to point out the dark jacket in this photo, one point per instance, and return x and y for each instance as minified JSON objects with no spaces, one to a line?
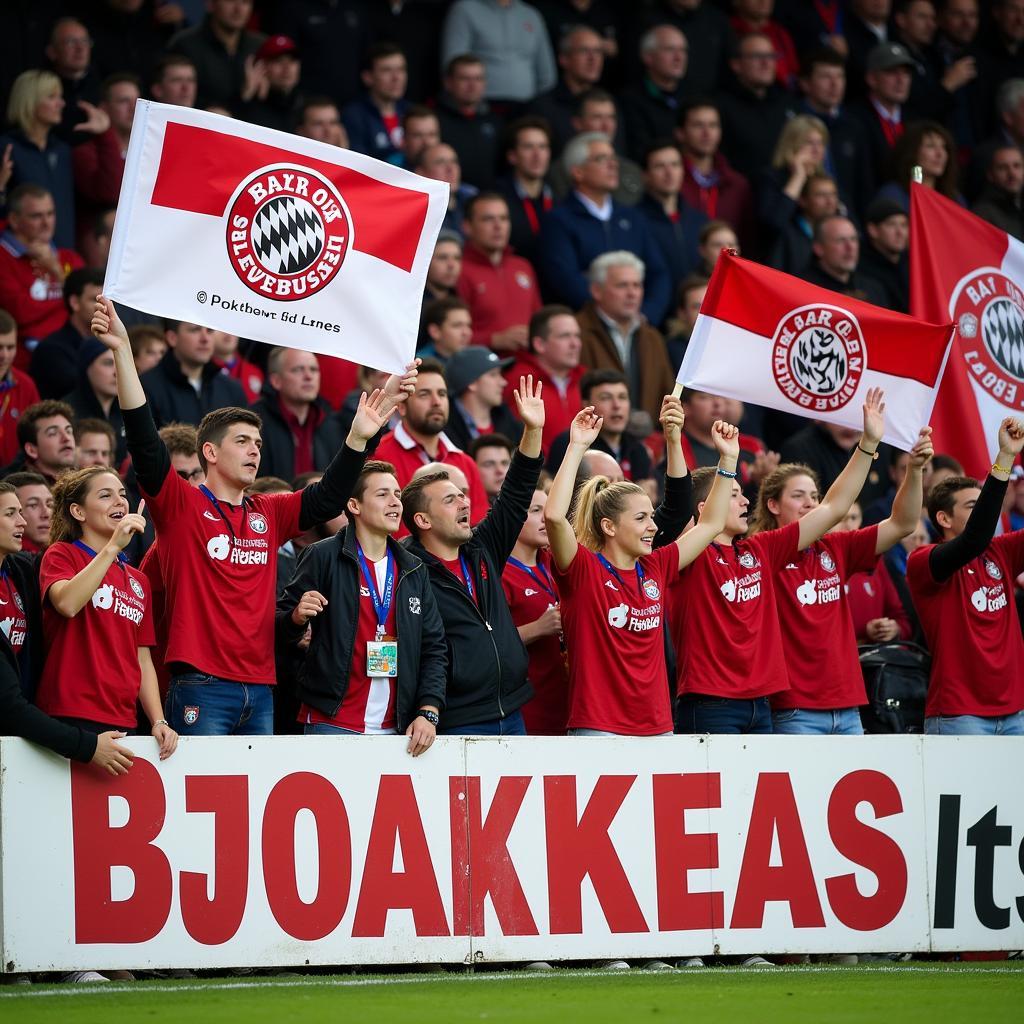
{"x":1000,"y":208}
{"x":278,"y":455}
{"x":87,"y":406}
{"x":893,"y":277}
{"x":525,"y":237}
{"x":675,"y":239}
{"x":487,"y":662}
{"x":367,"y":132}
{"x":859,"y":285}
{"x":23,"y":569}
{"x":173,"y":399}
{"x":331,"y":567}
{"x":475,"y":139}
{"x":649,"y":113}
{"x":51,"y":168}
{"x":751,"y":125}
{"x":53,"y":362}
{"x":502,"y":419}
{"x":221,"y":75}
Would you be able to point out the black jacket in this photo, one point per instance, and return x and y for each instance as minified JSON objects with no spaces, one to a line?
{"x":87,"y":406}
{"x":278,"y":455}
{"x":23,"y":569}
{"x":487,"y":662}
{"x":331,"y":567}
{"x":173,"y":399}
{"x":53,"y":362}
{"x":476,"y":139}
{"x":502,"y":419}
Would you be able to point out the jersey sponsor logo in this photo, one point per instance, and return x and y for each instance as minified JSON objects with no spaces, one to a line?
{"x":218,"y":547}
{"x":634,"y":620}
{"x":818,"y":356}
{"x":618,"y":615}
{"x":747,"y":588}
{"x":257,"y":522}
{"x":104,"y":597}
{"x":989,"y":599}
{"x":414,"y":606}
{"x":813,"y":592}
{"x":108,"y":597}
{"x":5,"y":625}
{"x":986,"y":302}
{"x":190,"y":714}
{"x":287,"y":232}
{"x":827,"y":562}
{"x":993,"y":570}
{"x":652,"y":590}
{"x":137,"y":587}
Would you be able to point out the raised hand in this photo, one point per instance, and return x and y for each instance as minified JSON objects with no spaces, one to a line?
{"x":874,"y":415}
{"x":256,"y":84}
{"x":727,"y":439}
{"x":1011,"y":436}
{"x":310,"y":605}
{"x":132,"y":524}
{"x":111,"y":755}
{"x":373,"y":413}
{"x":106,"y":324}
{"x":529,"y":404}
{"x":765,"y":463}
{"x":922,"y":452}
{"x":399,"y":386}
{"x":96,"y":120}
{"x":672,"y":418}
{"x":585,"y":427}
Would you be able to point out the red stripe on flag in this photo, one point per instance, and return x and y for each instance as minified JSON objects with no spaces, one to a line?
{"x":947,"y":243}
{"x":200,"y":170}
{"x":756,"y":299}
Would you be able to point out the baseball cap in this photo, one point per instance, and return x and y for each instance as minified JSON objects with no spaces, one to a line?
{"x":471,"y":364}
{"x":882,"y":209}
{"x":886,"y":56}
{"x":277,"y":46}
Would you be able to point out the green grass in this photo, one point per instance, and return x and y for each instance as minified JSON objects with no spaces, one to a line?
{"x":932,"y":993}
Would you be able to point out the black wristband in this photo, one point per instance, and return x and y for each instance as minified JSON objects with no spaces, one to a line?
{"x":431,"y":716}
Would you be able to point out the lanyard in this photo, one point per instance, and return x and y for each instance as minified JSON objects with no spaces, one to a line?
{"x":209,"y":495}
{"x":466,"y":578}
{"x":381,"y":602}
{"x":121,"y":556}
{"x":545,"y":584}
{"x":615,"y":572}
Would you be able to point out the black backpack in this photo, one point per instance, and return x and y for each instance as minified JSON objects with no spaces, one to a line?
{"x":896,"y":680}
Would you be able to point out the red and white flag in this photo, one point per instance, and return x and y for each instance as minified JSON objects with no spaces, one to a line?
{"x":966,"y":269}
{"x":773,"y":340}
{"x":272,"y":236}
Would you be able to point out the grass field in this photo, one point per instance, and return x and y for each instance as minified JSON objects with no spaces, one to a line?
{"x":907,"y":993}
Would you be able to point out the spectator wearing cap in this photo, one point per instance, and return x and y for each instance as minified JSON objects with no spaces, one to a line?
{"x":510,"y":37}
{"x":420,"y":437}
{"x":95,"y":394}
{"x":270,"y":95}
{"x":754,"y":106}
{"x":467,"y":122}
{"x":884,"y":253}
{"x":616,"y":336}
{"x":888,"y":77}
{"x":499,"y":287}
{"x":476,"y":386}
{"x":836,"y":250}
{"x":220,"y":47}
{"x":17,"y":389}
{"x":374,"y":120}
{"x":441,"y":163}
{"x":526,"y":190}
{"x":589,"y":222}
{"x":447,"y":327}
{"x":554,"y":359}
{"x":1000,"y":200}
{"x":54,"y":361}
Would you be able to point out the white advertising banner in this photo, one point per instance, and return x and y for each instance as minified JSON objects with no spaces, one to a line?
{"x":333,"y":850}
{"x":272,"y":236}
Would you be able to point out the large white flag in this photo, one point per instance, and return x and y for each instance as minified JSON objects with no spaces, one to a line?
{"x":771,"y":339}
{"x":273,"y":237}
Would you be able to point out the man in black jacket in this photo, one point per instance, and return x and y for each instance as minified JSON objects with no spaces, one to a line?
{"x":487,"y":662}
{"x":377,"y":659}
{"x":300,"y":431}
{"x":187,"y":384}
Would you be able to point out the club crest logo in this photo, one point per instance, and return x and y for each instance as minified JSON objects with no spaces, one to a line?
{"x":747,"y":560}
{"x":818,"y":357}
{"x":827,"y":562}
{"x":288,"y":232}
{"x":257,"y":522}
{"x":190,"y":714}
{"x":993,"y":570}
{"x":652,"y":590}
{"x":988,"y":309}
{"x":137,"y":588}
{"x":414,"y":606}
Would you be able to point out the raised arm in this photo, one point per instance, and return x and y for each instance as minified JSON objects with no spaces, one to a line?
{"x":583,"y":432}
{"x":715,"y":512}
{"x":906,"y":506}
{"x":676,"y":508}
{"x":107,"y":326}
{"x":843,"y":493}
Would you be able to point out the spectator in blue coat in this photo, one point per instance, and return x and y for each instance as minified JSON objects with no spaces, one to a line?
{"x":588,"y":222}
{"x":374,"y":121}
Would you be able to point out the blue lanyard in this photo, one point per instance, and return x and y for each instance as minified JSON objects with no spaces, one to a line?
{"x":209,"y":495}
{"x":121,"y":556}
{"x":546,"y":585}
{"x":466,"y":578}
{"x":615,"y":572}
{"x":381,"y":603}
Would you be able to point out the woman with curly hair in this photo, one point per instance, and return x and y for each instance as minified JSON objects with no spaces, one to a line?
{"x":928,"y":145}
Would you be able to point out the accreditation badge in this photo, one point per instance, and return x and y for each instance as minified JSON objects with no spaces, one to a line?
{"x":382,"y":658}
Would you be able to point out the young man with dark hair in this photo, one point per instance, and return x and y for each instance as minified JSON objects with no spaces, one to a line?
{"x":487,"y":682}
{"x":95,"y":443}
{"x":47,"y":440}
{"x":17,"y":389}
{"x":448,"y":324}
{"x":174,"y":80}
{"x":493,"y":455}
{"x":525,"y":188}
{"x":467,"y":122}
{"x":319,"y":119}
{"x":374,"y":121}
{"x":963,"y":592}
{"x":376,"y":661}
{"x":36,"y":509}
{"x":420,"y":128}
{"x":218,"y":549}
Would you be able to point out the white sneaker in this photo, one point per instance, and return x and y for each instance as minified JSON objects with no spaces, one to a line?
{"x":756,"y":961}
{"x":690,"y":961}
{"x":80,"y":976}
{"x":612,"y":965}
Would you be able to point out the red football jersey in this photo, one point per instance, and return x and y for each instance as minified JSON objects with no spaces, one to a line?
{"x":613,"y":629}
{"x":150,"y":565}
{"x":12,"y":614}
{"x":529,"y":595}
{"x":219,"y":563}
{"x":817,"y":628}
{"x":723,"y":619}
{"x":92,"y":661}
{"x":971,"y":625}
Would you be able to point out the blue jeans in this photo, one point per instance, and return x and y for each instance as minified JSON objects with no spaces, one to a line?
{"x":202,"y":705}
{"x":697,"y":713}
{"x":975,"y":725}
{"x":326,"y":729}
{"x":814,"y":722}
{"x":510,"y":725}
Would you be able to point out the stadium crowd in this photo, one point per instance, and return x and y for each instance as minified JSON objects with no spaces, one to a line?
{"x":525,"y":533}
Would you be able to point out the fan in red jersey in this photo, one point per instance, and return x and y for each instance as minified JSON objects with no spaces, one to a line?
{"x":826,"y":685}
{"x":612,"y":583}
{"x":963,"y":591}
{"x":96,"y":612}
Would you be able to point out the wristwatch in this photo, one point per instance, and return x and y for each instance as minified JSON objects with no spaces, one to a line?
{"x":430,"y":716}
